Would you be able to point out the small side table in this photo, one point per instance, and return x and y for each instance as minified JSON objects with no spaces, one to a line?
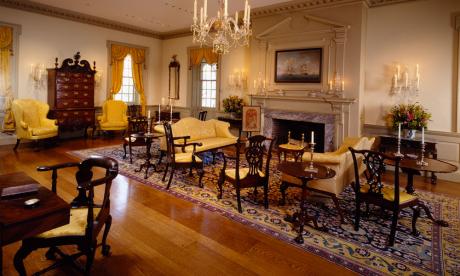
{"x":148,"y":142}
{"x":297,"y":169}
{"x":290,"y":149}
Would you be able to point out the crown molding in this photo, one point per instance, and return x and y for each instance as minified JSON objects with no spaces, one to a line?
{"x":34,"y":7}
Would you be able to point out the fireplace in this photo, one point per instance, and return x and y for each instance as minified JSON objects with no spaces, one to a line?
{"x":281,"y":127}
{"x":277,"y":123}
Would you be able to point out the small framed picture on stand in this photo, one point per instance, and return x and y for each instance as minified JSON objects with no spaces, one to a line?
{"x":251,"y":118}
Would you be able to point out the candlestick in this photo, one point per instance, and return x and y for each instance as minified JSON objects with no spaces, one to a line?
{"x":148,"y":114}
{"x":399,"y":131}
{"x":312,"y":137}
{"x":159,"y":113}
{"x":406,"y":78}
{"x":398,"y":153}
{"x":171,"y":109}
{"x":423,"y":135}
{"x":398,"y":71}
{"x":422,"y":162}
{"x":330,"y":85}
{"x":343,"y":85}
{"x":311,"y":167}
{"x":302,"y":141}
{"x":289,"y":137}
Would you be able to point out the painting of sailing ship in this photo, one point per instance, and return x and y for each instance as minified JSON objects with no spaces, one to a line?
{"x":299,"y":65}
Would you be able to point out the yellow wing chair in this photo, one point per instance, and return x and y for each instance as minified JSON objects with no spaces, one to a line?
{"x":113,"y":116}
{"x":340,"y":161}
{"x":31,"y":121}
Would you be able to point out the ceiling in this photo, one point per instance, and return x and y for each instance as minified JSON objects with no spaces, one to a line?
{"x":160,"y":16}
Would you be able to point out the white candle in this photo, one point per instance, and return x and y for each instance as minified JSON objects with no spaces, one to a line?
{"x":423,"y":135}
{"x":236,"y":18}
{"x":249,"y":14}
{"x":225,"y":8}
{"x":343,"y":85}
{"x":159,"y":112}
{"x":312,"y":137}
{"x":406,"y":77}
{"x":245,"y":17}
{"x":205,"y":13}
{"x":395,"y":80}
{"x":416,"y":70}
{"x":418,"y":81}
{"x":330,"y":85}
{"x":255,"y":84}
{"x":201,"y":16}
{"x":194,"y":12}
{"x":398,"y":71}
{"x":399,"y":131}
{"x":148,"y":114}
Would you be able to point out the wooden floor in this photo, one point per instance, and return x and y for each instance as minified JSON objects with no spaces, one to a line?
{"x":154,"y":233}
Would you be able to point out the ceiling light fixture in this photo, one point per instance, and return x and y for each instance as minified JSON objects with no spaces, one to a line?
{"x":223,"y":32}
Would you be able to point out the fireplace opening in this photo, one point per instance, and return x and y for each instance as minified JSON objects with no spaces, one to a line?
{"x":281,"y":128}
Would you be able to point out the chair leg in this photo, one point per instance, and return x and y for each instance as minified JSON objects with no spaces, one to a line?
{"x":358,"y":214}
{"x":90,"y":259}
{"x":394,"y":223}
{"x":166,"y":171}
{"x":105,"y":246}
{"x":266,"y":195}
{"x":213,"y":157}
{"x":130,"y":154}
{"x":220,"y":183}
{"x":17,"y":144}
{"x":170,"y":178}
{"x":339,"y":210}
{"x":238,"y":198}
{"x":19,"y":257}
{"x":124,"y":149}
{"x":283,"y":188}
{"x":200,"y":173}
{"x":415,"y":216}
{"x":161,"y":157}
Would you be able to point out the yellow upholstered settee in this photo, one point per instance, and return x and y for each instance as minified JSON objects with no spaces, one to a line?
{"x":113,"y":116}
{"x":340,"y":161}
{"x":212,"y":134}
{"x":31,"y":121}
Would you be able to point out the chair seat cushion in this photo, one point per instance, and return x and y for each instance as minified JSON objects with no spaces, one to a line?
{"x":112,"y":124}
{"x":186,"y":157}
{"x":389,"y":194}
{"x":76,"y":226}
{"x":231,"y":173}
{"x":42,"y":131}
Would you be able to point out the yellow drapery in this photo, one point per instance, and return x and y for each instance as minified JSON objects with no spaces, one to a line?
{"x":118,"y":54}
{"x":6,"y":51}
{"x":197,"y":55}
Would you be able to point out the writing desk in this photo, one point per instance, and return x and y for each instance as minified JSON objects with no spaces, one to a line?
{"x":18,"y":223}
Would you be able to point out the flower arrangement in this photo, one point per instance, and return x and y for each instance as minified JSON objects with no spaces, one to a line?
{"x":411,"y":116}
{"x":233,"y":104}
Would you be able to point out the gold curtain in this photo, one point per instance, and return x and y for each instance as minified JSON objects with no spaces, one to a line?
{"x":6,"y":51}
{"x":118,"y":54}
{"x":197,"y":55}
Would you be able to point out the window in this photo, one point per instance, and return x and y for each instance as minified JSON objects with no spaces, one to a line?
{"x":208,"y":81}
{"x":127,"y":92}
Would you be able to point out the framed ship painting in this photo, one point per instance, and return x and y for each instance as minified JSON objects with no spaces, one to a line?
{"x":299,"y":65}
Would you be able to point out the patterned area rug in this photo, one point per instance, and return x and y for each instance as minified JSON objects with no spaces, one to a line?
{"x":435,"y":252}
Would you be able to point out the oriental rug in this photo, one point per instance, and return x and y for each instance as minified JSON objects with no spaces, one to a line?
{"x":436,"y":251}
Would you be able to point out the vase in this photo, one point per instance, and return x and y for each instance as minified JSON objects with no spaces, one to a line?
{"x":410,"y":134}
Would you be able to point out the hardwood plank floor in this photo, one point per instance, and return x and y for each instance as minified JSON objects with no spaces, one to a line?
{"x":154,"y":233}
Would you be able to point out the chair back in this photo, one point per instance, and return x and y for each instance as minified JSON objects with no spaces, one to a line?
{"x":170,"y":152}
{"x":134,"y":110}
{"x":138,"y":125}
{"x":86,"y":184}
{"x":114,"y":111}
{"x":202,"y":115}
{"x":375,"y":167}
{"x":254,"y":154}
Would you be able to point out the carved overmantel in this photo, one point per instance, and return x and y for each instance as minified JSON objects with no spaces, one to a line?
{"x":339,"y":107}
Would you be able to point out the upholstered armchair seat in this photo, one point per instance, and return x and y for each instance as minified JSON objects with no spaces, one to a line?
{"x":231,"y":173}
{"x":113,"y":116}
{"x":31,"y":121}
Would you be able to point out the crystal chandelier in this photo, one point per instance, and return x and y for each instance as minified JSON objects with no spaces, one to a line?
{"x":223,"y":32}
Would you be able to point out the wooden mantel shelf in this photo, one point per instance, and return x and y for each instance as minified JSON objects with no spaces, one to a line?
{"x":329,"y":100}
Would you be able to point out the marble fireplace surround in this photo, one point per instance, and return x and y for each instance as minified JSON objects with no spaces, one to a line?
{"x":327,"y":119}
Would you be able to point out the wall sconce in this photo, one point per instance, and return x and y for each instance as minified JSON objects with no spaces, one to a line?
{"x":237,"y":80}
{"x":37,"y":72}
{"x":98,"y":78}
{"x":336,"y":86}
{"x":402,"y":83}
{"x":260,"y":85}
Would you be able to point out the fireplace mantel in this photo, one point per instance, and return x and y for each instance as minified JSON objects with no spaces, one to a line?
{"x":329,"y":100}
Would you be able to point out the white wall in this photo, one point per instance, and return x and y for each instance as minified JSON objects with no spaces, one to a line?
{"x":43,"y":38}
{"x":415,"y":32}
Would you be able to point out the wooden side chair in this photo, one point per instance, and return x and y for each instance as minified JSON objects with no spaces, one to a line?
{"x":256,"y":174}
{"x":202,"y":115}
{"x":178,"y":160}
{"x":86,"y":217}
{"x":135,"y":125}
{"x":371,"y":190}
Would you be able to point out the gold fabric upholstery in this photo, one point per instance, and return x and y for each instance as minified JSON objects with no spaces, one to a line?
{"x":389,"y":194}
{"x":231,"y":173}
{"x":76,"y":226}
{"x":212,"y":134}
{"x":185,"y":157}
{"x":31,"y":121}
{"x":113,"y":115}
{"x":290,"y":147}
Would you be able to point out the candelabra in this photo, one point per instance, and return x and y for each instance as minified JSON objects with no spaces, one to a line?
{"x":422,"y":162}
{"x":311,"y":167}
{"x":222,"y":32}
{"x":403,"y":85}
{"x":336,"y":86}
{"x":37,"y":72}
{"x":237,"y":80}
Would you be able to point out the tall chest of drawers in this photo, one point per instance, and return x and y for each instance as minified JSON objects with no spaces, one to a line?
{"x":71,"y":94}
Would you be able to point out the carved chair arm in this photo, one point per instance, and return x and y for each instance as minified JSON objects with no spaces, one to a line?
{"x":54,"y":168}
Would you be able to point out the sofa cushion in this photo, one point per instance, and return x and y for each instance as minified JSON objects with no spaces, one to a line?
{"x":194,"y":128}
{"x":42,"y":131}
{"x":212,"y":143}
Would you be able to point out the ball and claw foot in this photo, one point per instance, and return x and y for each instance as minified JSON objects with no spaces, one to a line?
{"x":106,"y":250}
